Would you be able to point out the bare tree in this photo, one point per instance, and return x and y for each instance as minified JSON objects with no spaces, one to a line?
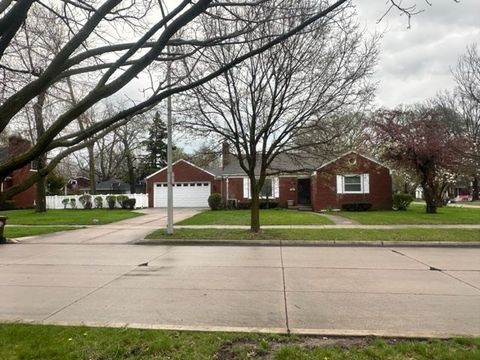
{"x":94,"y":48}
{"x":264,"y":104}
{"x":466,"y":102}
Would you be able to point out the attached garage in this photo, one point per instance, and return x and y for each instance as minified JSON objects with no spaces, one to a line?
{"x":192,"y":186}
{"x":186,"y":194}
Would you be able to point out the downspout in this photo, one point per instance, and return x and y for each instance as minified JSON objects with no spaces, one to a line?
{"x":226,"y":190}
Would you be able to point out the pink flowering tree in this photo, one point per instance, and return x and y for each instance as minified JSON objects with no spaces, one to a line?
{"x":422,"y":141}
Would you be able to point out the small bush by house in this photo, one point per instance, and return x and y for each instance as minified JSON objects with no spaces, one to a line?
{"x":401,"y":201}
{"x":215,"y":201}
{"x":356,"y":207}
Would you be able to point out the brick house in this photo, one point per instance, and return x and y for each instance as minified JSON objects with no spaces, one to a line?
{"x":17,"y":145}
{"x":350,"y":178}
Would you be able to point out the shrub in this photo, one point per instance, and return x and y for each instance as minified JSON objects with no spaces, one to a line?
{"x":86,"y":201}
{"x":98,"y":202}
{"x":401,"y":201}
{"x":263,"y":205}
{"x":65,"y":203}
{"x":111,"y":201}
{"x":215,"y":201}
{"x":120,"y":199}
{"x":73,"y":203}
{"x":129,"y":204}
{"x":356,"y":206}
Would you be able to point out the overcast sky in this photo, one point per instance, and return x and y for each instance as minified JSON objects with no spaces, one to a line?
{"x":415,"y":63}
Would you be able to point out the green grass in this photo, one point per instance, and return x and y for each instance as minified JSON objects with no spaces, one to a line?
{"x":16,"y":232}
{"x":322,"y":234}
{"x":67,"y":217}
{"x":267,"y":217}
{"x":416,"y":215}
{"x":21,"y":341}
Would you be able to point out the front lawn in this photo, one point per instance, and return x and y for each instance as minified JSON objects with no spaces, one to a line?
{"x":267,"y":217}
{"x":415,"y":215}
{"x":21,"y":341}
{"x":20,"y":231}
{"x":68,"y":217}
{"x":322,"y":234}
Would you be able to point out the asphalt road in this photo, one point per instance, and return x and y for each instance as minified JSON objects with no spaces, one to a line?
{"x":68,"y":279}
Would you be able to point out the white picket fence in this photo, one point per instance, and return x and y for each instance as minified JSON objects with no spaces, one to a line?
{"x":55,"y":202}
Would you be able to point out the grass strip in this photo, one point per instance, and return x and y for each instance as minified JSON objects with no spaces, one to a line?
{"x":267,"y":217}
{"x":68,"y":216}
{"x":17,"y":232}
{"x":322,"y":234}
{"x":22,"y":341}
{"x":415,"y":215}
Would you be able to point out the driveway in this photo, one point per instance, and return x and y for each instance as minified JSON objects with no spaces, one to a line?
{"x":317,"y":290}
{"x":121,"y":232}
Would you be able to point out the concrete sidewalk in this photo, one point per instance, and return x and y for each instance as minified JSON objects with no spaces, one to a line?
{"x":334,"y":291}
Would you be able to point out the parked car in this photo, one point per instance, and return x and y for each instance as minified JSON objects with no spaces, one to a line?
{"x":461,"y":198}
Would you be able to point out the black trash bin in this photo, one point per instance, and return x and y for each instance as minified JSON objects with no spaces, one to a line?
{"x":3,"y":221}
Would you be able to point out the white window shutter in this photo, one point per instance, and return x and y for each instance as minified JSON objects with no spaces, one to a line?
{"x":339,"y":184}
{"x":366,"y":183}
{"x":276,"y":188}
{"x":246,"y":188}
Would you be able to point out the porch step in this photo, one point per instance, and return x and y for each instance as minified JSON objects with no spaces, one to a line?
{"x":301,"y":207}
{"x":305,"y":208}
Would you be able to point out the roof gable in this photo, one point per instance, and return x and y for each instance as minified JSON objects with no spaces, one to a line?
{"x":352,"y":152}
{"x":176,"y":162}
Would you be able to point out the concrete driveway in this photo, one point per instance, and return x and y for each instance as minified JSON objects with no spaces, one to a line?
{"x":318,"y":290}
{"x":121,"y":232}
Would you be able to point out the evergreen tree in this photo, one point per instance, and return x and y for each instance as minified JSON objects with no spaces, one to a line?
{"x":156,"y":146}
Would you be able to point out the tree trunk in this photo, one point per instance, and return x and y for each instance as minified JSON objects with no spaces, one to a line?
{"x":41,"y":199}
{"x":131,"y":173}
{"x":255,"y":209}
{"x":91,"y":169}
{"x":430,"y":199}
{"x":475,"y":188}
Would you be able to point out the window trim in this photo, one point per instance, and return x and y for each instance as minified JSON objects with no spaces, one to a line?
{"x":361,"y":191}
{"x":275,"y":188}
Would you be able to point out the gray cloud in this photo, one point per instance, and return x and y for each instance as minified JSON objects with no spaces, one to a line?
{"x":415,"y":63}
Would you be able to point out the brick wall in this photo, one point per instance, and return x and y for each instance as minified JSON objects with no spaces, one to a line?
{"x":288,"y":190}
{"x":324,"y":187}
{"x":17,"y":145}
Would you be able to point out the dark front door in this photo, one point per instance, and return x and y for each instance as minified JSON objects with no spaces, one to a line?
{"x":303,"y":187}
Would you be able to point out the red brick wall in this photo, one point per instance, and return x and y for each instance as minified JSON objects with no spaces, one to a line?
{"x":324,"y":192}
{"x":183,"y":172}
{"x":235,"y":189}
{"x":288,"y":190}
{"x":26,"y":198}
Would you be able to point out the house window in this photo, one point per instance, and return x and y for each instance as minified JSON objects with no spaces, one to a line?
{"x":270,"y":188}
{"x":352,"y":183}
{"x":267,"y":189}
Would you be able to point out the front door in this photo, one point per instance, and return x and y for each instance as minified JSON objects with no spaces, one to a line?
{"x":303,"y":191}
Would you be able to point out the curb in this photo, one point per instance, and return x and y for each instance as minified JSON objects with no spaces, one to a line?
{"x":310,"y":243}
{"x":399,"y":334}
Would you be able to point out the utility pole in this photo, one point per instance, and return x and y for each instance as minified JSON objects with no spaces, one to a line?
{"x":169,"y":157}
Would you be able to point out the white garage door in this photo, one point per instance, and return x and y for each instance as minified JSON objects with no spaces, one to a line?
{"x":188,"y":194}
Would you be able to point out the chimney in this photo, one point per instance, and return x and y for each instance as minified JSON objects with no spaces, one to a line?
{"x":225,"y":154}
{"x":17,"y":145}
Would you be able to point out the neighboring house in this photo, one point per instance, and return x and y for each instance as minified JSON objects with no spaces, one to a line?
{"x":78,"y":184}
{"x":350,"y":178}
{"x":112,"y":187}
{"x":17,"y":145}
